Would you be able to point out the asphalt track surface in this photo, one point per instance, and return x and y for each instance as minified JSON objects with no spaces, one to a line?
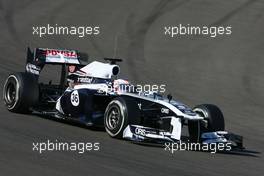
{"x":227,"y":71}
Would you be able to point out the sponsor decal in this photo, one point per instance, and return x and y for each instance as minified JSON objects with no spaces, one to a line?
{"x":84,"y":80}
{"x":139,"y":105}
{"x":32,"y":69}
{"x":64,"y":53}
{"x":165,"y":110}
{"x":140,"y":131}
{"x":75,"y":98}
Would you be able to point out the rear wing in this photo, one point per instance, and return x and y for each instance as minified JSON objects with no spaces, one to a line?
{"x":70,"y":61}
{"x":42,"y":56}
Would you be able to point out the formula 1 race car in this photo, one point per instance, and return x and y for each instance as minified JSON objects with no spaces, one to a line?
{"x":93,"y":95}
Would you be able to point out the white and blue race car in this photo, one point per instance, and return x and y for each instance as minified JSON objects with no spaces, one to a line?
{"x":93,"y":95}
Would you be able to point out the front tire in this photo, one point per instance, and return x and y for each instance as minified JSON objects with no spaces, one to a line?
{"x":213,"y":121}
{"x":119,"y":113}
{"x":20,"y":92}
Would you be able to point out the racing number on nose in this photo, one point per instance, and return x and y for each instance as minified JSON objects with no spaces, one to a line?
{"x":75,"y":98}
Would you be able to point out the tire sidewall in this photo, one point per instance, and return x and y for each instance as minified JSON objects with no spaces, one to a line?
{"x":12,"y":79}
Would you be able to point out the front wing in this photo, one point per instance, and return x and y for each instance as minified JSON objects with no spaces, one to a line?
{"x":141,"y":134}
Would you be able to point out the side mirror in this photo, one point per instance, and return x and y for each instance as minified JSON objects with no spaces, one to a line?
{"x":169,"y":96}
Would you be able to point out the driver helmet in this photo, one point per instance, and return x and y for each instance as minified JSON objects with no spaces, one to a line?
{"x":120,"y":85}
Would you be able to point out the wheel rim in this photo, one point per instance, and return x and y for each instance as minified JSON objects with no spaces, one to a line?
{"x":113,"y":118}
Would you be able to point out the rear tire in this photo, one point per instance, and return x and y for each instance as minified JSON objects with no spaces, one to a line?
{"x":20,"y":92}
{"x":213,"y":121}
{"x":119,"y":113}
